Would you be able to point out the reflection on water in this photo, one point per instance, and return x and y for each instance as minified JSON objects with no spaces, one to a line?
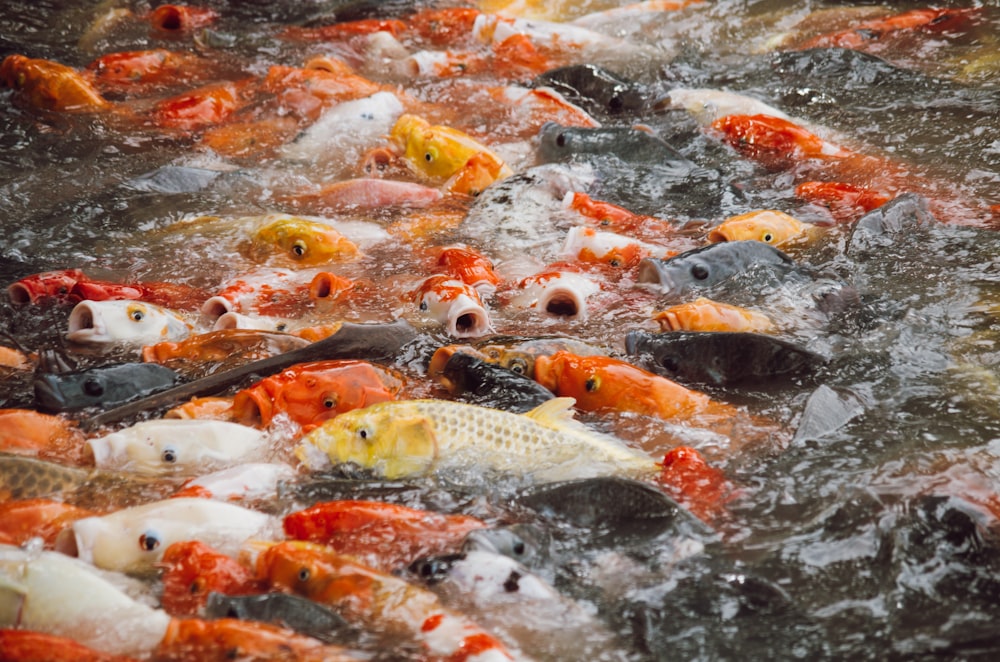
{"x":875,"y":534}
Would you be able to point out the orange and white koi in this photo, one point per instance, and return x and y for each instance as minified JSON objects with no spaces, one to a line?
{"x":559,"y":293}
{"x":469,"y":266}
{"x":454,"y":304}
{"x":124,"y":321}
{"x":587,"y":245}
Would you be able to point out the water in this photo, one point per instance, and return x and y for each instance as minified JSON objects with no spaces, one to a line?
{"x":874,"y":537}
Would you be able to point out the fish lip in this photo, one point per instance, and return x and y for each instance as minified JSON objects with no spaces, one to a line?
{"x":651,"y":271}
{"x":467,"y":319}
{"x":20,"y":294}
{"x":217,"y":306}
{"x":48,"y":397}
{"x":86,"y":324}
{"x":555,"y":300}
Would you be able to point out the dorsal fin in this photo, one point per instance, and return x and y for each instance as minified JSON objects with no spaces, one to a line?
{"x":556,"y":413}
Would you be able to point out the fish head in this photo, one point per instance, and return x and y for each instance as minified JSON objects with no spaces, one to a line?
{"x":392,"y":444}
{"x":57,"y":284}
{"x":768,"y":226}
{"x":192,"y":571}
{"x":304,"y":242}
{"x":519,"y":361}
{"x":131,"y":546}
{"x":301,"y":567}
{"x":556,"y":143}
{"x":455,"y":305}
{"x":123,"y":321}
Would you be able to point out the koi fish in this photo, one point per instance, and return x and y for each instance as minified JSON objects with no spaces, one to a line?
{"x":846,"y":202}
{"x":192,"y":570}
{"x":29,"y":646}
{"x":706,"y":315}
{"x":417,"y":437}
{"x":143,"y":71}
{"x":375,"y":601}
{"x":469,"y":266}
{"x":104,"y":386}
{"x":73,"y":286}
{"x":769,"y":226}
{"x":239,"y":344}
{"x":131,"y":322}
{"x":454,"y":304}
{"x":24,"y":519}
{"x":203,"y":107}
{"x":225,"y":638}
{"x":310,"y":393}
{"x":29,"y":432}
{"x":177,"y":446}
{"x":588,"y":245}
{"x":173,"y":19}
{"x":48,"y":284}
{"x":470,"y":376}
{"x":519,"y":356}
{"x":447,"y":156}
{"x":46,"y":85}
{"x":285,"y":609}
{"x":244,"y":482}
{"x":867,"y":34}
{"x":307,"y":92}
{"x":55,"y":594}
{"x":698,"y":486}
{"x":133,"y":539}
{"x":776,"y":143}
{"x":594,"y":88}
{"x":602,"y":383}
{"x":303,"y":242}
{"x":615,"y":218}
{"x":383,"y":535}
{"x":265,"y":292}
{"x":211,"y":408}
{"x":363,"y":193}
{"x":560,"y":293}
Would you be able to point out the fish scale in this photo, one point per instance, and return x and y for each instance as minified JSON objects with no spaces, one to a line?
{"x":546,"y":442}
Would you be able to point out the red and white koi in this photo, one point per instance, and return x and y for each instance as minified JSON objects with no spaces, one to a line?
{"x":454,"y":304}
{"x":560,"y":293}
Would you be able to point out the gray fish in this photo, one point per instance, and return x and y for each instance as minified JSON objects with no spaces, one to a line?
{"x":598,"y":91}
{"x":104,"y":386}
{"x":724,"y":358}
{"x":601,"y":501}
{"x":480,"y":382}
{"x":290,"y":611}
{"x":709,"y":266}
{"x":559,"y":144}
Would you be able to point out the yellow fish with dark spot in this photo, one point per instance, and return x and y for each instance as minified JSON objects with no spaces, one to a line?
{"x":418,"y":437}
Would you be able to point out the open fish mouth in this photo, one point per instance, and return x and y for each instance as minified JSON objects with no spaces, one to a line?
{"x":86,"y":324}
{"x":651,"y":271}
{"x":19,"y":294}
{"x":563,"y":302}
{"x":215,"y":307}
{"x":468,"y":320}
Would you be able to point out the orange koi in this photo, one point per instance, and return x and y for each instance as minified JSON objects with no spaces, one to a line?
{"x":706,"y":315}
{"x":449,"y":26}
{"x":767,"y":225}
{"x":385,"y":536}
{"x":846,"y":202}
{"x":376,"y":601}
{"x":12,"y":358}
{"x":138,"y":71}
{"x":328,"y":287}
{"x":178,"y":19}
{"x":310,"y":393}
{"x":866,"y":34}
{"x":207,"y":408}
{"x":247,"y":344}
{"x":42,"y":518}
{"x":698,"y":486}
{"x":618,"y":219}
{"x":602,"y":383}
{"x":306,"y":92}
{"x":29,"y":432}
{"x":775,"y":142}
{"x":469,"y":266}
{"x":260,"y":137}
{"x":30,"y":646}
{"x":46,"y":85}
{"x":48,"y":284}
{"x":193,"y":569}
{"x":202,"y":107}
{"x":231,"y":638}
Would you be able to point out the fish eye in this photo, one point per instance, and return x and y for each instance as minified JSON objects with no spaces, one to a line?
{"x":699,"y":272}
{"x":518,"y":548}
{"x":169,"y":455}
{"x":592,"y":384}
{"x":430,"y":155}
{"x":670,"y":363}
{"x":93,"y":386}
{"x":330,"y":401}
{"x":149,"y":541}
{"x":281,"y":326}
{"x":768,"y":237}
{"x":520,"y":366}
{"x":561,"y":139}
{"x":304,"y":574}
{"x":423,"y":305}
{"x":136,"y":314}
{"x":197,"y":586}
{"x":363,"y":433}
{"x":299,"y":248}
{"x":615,"y":262}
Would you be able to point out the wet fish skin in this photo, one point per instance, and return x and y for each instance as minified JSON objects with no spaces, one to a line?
{"x":104,"y":386}
{"x":285,"y":609}
{"x":722,"y":358}
{"x":706,"y":267}
{"x":478,"y":381}
{"x":599,"y":91}
{"x":23,"y":477}
{"x":558,"y":143}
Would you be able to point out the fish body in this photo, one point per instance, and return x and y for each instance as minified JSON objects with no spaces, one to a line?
{"x":558,"y":143}
{"x":769,"y":226}
{"x":455,"y":305}
{"x":104,"y":386}
{"x":30,"y":646}
{"x":706,"y":315}
{"x":130,"y":322}
{"x":375,"y":601}
{"x":588,"y":245}
{"x":264,"y":292}
{"x":775,"y":142}
{"x":22,"y":520}
{"x":54,"y":284}
{"x":707,"y":105}
{"x":225,"y":638}
{"x":710,"y":266}
{"x":53,"y":593}
{"x":724,"y":358}
{"x":414,"y":437}
{"x":177,"y":446}
{"x":384,"y":535}
{"x":365,"y":193}
{"x":303,"y":242}
{"x":283,"y":609}
{"x":47,"y":85}
{"x":223,"y":345}
{"x":600,"y":92}
{"x":469,"y":266}
{"x":134,"y":539}
{"x":243,"y":482}
{"x":310,"y":393}
{"x":139,"y":71}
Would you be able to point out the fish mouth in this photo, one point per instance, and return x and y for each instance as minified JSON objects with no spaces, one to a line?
{"x":19,"y":294}
{"x":215,"y":307}
{"x":48,"y":396}
{"x":563,"y":302}
{"x":233,"y":320}
{"x":717,"y":235}
{"x":651,"y":271}
{"x":466,"y":319}
{"x":86,"y":324}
